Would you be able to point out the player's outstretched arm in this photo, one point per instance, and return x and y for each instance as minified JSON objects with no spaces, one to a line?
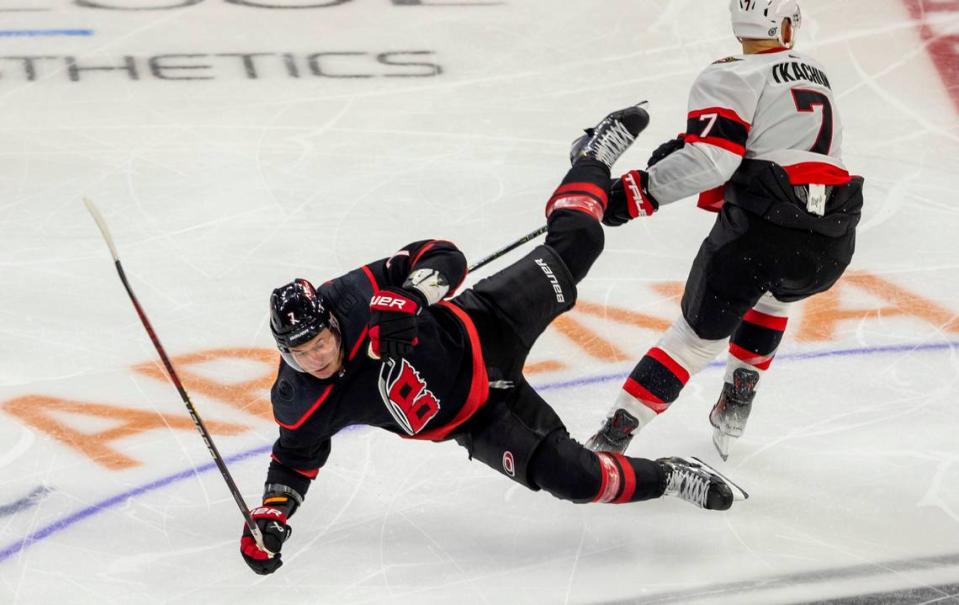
{"x":297,"y":458}
{"x":420,"y":274}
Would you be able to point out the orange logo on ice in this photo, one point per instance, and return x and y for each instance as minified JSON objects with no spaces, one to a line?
{"x":822,"y":318}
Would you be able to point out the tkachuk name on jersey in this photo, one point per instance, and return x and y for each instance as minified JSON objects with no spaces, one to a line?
{"x":792,"y":71}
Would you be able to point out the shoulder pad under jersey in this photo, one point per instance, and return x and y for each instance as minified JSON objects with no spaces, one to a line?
{"x":295,"y":397}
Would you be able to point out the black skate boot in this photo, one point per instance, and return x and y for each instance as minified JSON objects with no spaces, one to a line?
{"x":698,"y":483}
{"x":615,"y":434}
{"x":611,"y":137}
{"x":730,"y":413}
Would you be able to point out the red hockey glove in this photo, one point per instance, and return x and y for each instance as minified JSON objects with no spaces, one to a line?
{"x":272,"y":524}
{"x":669,"y":147}
{"x":629,"y":197}
{"x":393,"y":316}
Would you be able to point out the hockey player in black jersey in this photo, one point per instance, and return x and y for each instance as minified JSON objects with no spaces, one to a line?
{"x":383,"y":346}
{"x":763,"y":147}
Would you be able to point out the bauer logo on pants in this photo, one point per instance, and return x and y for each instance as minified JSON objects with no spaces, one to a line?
{"x":560,"y":298}
{"x":509,"y":465}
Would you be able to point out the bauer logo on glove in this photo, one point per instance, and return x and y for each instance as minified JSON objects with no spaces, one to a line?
{"x":393,"y":322}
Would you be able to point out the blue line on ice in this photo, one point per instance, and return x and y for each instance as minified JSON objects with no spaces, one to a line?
{"x":36,"y":33}
{"x":16,"y":547}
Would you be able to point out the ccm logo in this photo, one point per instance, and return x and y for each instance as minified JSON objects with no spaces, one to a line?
{"x":388,"y":302}
{"x":266,"y":511}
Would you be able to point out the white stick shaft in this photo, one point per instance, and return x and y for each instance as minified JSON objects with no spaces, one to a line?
{"x":102,"y":224}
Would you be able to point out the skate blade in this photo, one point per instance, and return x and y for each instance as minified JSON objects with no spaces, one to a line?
{"x":738,"y":492}
{"x":722,"y":441}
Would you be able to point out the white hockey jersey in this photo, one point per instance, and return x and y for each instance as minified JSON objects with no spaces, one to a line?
{"x":776,"y":106}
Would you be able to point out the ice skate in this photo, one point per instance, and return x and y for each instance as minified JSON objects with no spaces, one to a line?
{"x":700,"y":484}
{"x":615,"y":434}
{"x":612,"y":136}
{"x":731,"y":412}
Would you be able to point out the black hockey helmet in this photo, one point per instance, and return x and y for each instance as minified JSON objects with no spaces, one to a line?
{"x":297,"y":314}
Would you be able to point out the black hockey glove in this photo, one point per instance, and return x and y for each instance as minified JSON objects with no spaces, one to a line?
{"x":629,"y":197}
{"x":393,"y":317}
{"x":669,"y":147}
{"x":273,"y":526}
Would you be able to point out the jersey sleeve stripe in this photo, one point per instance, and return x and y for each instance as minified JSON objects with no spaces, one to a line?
{"x":737,"y":148}
{"x":359,"y":342}
{"x":369,"y":276}
{"x":723,"y":112}
{"x":420,"y":253}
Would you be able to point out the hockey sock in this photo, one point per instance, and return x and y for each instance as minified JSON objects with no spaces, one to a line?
{"x":659,"y":377}
{"x":625,"y":479}
{"x":585,"y":188}
{"x":577,"y":238}
{"x":754,"y":343}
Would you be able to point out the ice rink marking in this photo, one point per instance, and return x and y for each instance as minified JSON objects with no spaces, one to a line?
{"x":43,"y":33}
{"x":85,"y":513}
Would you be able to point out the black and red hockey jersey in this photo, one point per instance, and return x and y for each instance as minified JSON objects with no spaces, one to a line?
{"x":426,"y":395}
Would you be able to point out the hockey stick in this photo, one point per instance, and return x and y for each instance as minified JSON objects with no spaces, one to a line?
{"x":205,"y":434}
{"x":485,"y":261}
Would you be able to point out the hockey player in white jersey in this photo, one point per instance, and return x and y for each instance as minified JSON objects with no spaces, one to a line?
{"x":763,"y":148}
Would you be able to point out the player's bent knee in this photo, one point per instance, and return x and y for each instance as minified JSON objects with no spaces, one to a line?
{"x":578,"y":239}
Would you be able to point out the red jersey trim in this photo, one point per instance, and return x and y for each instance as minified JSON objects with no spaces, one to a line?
{"x":713,"y":199}
{"x":736,"y":148}
{"x":818,"y":173}
{"x":359,"y":342}
{"x":725,"y":112}
{"x":420,"y":254}
{"x":769,"y":51}
{"x":369,"y":276}
{"x":479,"y":387}
{"x":316,"y":404}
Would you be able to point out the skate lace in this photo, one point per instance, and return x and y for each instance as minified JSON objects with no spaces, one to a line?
{"x":688,"y":485}
{"x":611,"y":142}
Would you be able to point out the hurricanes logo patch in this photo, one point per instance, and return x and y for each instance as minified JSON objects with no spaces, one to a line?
{"x":509,"y":465}
{"x":406,"y":397}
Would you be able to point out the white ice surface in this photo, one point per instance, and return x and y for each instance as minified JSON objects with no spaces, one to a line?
{"x":219,"y":190}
